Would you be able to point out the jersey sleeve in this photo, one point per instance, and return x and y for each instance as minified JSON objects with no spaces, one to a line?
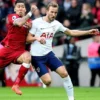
{"x":33,"y":29}
{"x":61,"y":27}
{"x":11,"y":18}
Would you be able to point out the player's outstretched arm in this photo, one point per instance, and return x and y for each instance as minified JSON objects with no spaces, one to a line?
{"x":80,"y":33}
{"x":22,"y":21}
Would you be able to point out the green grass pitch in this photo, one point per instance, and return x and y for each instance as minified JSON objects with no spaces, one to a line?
{"x":54,"y":93}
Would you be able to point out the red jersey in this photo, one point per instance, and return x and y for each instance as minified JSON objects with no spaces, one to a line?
{"x":16,"y":36}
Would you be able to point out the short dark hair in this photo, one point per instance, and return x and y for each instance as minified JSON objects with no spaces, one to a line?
{"x":52,"y":4}
{"x":19,"y":1}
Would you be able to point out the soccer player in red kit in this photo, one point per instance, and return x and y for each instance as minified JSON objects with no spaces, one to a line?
{"x":14,"y":43}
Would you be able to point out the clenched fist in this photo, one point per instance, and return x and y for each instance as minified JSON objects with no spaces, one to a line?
{"x":94,"y":32}
{"x":42,"y":40}
{"x":33,"y":8}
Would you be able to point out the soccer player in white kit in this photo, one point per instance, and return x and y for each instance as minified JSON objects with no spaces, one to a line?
{"x":41,"y":35}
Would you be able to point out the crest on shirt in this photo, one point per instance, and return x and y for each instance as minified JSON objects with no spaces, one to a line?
{"x":38,"y":69}
{"x":13,"y":17}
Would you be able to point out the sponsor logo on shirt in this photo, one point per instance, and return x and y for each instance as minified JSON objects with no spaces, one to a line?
{"x":13,"y":17}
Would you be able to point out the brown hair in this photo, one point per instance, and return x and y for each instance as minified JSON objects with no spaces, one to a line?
{"x":20,"y":1}
{"x":52,"y":4}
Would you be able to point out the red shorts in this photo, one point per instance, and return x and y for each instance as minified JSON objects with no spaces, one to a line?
{"x":8,"y":55}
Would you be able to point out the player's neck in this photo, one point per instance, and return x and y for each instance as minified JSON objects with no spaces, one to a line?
{"x":20,"y":15}
{"x":45,"y":18}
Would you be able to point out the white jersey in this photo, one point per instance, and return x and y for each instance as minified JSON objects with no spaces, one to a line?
{"x":42,"y":28}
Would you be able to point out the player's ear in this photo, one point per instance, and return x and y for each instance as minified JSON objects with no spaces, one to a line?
{"x":14,"y":10}
{"x":25,"y":10}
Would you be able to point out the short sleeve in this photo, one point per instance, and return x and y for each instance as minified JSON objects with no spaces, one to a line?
{"x":61,"y":27}
{"x":33,"y":28}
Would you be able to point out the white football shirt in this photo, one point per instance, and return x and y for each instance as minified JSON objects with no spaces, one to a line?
{"x":42,"y":28}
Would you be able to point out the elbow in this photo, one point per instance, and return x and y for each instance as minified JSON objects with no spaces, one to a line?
{"x":71,"y":34}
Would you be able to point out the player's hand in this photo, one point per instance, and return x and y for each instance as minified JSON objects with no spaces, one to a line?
{"x":94,"y":32}
{"x":42,"y":40}
{"x":33,"y":8}
{"x":28,"y":25}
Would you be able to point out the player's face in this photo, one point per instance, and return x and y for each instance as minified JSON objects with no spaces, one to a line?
{"x":20,"y":9}
{"x":52,"y":13}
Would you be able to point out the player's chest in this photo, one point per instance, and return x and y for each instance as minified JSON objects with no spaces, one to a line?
{"x":21,"y":30}
{"x":46,"y":31}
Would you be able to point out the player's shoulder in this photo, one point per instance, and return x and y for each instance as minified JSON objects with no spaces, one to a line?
{"x":37,"y":19}
{"x":56,"y":22}
{"x":13,"y":16}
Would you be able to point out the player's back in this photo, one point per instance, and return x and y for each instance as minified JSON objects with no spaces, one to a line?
{"x":16,"y":36}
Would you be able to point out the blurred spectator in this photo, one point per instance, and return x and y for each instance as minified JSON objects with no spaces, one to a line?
{"x":73,"y":14}
{"x":61,"y":13}
{"x":9,"y":6}
{"x":66,"y":23}
{"x":34,"y":2}
{"x":73,"y":57}
{"x":63,"y":8}
{"x":36,"y":14}
{"x":28,"y":2}
{"x":86,"y":18}
{"x":94,"y":59}
{"x":43,"y":11}
{"x":62,"y":39}
{"x":96,"y":12}
{"x":59,"y":1}
{"x":2,"y":14}
{"x":42,"y":3}
{"x":66,"y":4}
{"x":2,"y":80}
{"x":91,"y":2}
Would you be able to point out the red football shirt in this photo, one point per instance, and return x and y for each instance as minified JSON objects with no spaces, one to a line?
{"x":16,"y":36}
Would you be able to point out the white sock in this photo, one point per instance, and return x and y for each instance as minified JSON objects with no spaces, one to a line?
{"x":26,"y":65}
{"x":69,"y":87}
{"x":43,"y":85}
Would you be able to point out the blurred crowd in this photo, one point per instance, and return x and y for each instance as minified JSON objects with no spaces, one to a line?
{"x":74,"y":14}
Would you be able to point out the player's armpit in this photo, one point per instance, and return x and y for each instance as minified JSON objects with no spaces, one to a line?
{"x":30,"y":38}
{"x":68,"y":32}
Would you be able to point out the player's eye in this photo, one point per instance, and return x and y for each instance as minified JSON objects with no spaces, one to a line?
{"x":55,"y":12}
{"x":23,"y":6}
{"x":18,"y":6}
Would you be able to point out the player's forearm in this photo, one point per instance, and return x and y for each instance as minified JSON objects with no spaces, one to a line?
{"x":77,"y":32}
{"x":22,"y":20}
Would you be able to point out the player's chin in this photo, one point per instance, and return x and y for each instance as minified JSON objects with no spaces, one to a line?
{"x":21,"y":14}
{"x":52,"y":19}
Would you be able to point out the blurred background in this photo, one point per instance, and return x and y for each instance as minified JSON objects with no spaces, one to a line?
{"x":80,"y":55}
